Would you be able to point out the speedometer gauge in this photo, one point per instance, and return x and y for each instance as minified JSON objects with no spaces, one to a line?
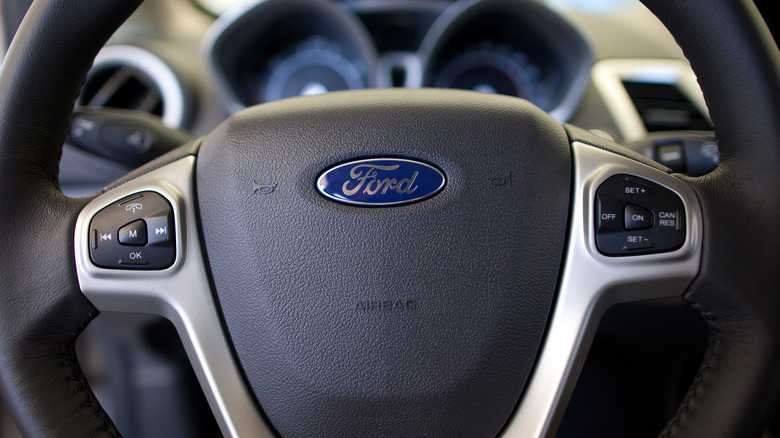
{"x":490,"y":69}
{"x":315,"y":66}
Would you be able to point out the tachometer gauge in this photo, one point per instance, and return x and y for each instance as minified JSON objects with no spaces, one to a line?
{"x":315,"y":66}
{"x":490,"y":69}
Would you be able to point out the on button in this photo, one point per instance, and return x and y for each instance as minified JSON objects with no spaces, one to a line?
{"x":637,"y":218}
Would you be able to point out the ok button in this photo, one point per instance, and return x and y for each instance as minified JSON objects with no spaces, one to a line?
{"x":637,"y":218}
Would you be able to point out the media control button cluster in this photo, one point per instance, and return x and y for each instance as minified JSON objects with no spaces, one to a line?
{"x":135,"y":232}
{"x":637,"y":216}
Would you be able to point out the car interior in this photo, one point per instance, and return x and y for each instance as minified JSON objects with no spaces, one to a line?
{"x":201,"y":73}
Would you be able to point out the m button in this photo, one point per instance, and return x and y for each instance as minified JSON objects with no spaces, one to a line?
{"x":133,"y":234}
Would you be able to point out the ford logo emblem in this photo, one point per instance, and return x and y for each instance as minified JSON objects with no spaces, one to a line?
{"x":381,"y":182}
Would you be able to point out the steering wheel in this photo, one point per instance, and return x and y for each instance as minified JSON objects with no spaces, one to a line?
{"x":463,"y":306}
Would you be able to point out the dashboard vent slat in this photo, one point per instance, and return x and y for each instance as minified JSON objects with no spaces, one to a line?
{"x":664,"y":107}
{"x":132,"y":78}
{"x":122,"y":87}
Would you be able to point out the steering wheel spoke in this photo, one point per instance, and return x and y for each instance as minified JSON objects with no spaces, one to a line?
{"x":181,"y":292}
{"x":592,"y":282}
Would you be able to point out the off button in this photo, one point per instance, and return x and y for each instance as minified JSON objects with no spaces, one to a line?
{"x":608,"y":214}
{"x":637,"y":218}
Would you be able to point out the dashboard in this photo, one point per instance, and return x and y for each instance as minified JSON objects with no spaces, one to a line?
{"x":192,"y":68}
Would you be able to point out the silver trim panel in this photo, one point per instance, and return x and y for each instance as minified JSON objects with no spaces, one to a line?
{"x":181,"y":293}
{"x":410,"y":63}
{"x":608,"y":76}
{"x":591,"y":282}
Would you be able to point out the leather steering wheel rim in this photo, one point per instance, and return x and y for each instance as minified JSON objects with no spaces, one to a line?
{"x":736,"y":390}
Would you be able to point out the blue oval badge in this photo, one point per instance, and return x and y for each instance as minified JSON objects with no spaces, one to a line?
{"x":381,"y":182}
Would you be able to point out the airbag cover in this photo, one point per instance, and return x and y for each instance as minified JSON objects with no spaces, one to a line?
{"x":413,"y":320}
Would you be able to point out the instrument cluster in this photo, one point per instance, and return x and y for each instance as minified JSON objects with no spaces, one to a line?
{"x":274,"y":49}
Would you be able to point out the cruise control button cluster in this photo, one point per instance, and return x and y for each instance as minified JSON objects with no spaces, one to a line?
{"x":637,"y":216}
{"x":135,"y":232}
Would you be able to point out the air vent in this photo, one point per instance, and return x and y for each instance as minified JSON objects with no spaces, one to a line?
{"x":663,"y":107}
{"x":129,"y":77}
{"x":650,"y":95}
{"x":122,"y":87}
